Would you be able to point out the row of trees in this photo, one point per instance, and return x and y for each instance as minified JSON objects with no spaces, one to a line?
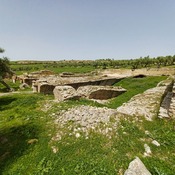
{"x":145,"y":62}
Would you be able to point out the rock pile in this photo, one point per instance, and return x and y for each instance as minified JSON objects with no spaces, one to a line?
{"x":85,"y":118}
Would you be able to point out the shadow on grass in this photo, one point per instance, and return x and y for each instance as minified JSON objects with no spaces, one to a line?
{"x":5,"y":101}
{"x":14,"y":142}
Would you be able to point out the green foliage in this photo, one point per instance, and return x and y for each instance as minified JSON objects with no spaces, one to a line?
{"x":14,"y":86}
{"x":90,"y":65}
{"x":17,"y":125}
{"x":1,"y":50}
{"x":4,"y":66}
{"x":57,"y":68}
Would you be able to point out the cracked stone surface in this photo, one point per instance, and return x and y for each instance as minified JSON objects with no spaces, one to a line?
{"x":145,"y":104}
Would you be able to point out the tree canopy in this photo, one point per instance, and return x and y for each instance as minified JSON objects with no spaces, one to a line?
{"x":5,"y":70}
{"x":1,"y":50}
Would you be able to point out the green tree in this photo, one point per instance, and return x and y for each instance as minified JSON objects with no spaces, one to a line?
{"x":5,"y":70}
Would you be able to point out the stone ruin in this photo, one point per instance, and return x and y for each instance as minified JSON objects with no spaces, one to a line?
{"x":159,"y":101}
{"x":33,"y":76}
{"x":70,"y":86}
{"x":100,"y":92}
{"x":62,"y":93}
{"x":45,"y":85}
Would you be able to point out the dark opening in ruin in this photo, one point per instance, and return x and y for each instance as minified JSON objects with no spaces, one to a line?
{"x":104,"y":94}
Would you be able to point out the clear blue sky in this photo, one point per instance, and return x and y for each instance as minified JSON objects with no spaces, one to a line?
{"x":86,"y":29}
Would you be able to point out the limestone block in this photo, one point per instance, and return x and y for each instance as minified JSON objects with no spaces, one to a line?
{"x":62,"y":93}
{"x":100,"y":92}
{"x":136,"y":167}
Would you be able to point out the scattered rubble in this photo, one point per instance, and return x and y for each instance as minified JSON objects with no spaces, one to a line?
{"x":84,"y":119}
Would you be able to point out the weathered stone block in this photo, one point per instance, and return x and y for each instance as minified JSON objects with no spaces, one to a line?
{"x":62,"y":93}
{"x":136,"y":167}
{"x":100,"y":92}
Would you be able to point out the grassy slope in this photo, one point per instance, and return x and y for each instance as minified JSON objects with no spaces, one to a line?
{"x":134,"y":86}
{"x":21,"y":119}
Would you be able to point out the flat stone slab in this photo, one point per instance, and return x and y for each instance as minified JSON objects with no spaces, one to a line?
{"x":146,"y":104}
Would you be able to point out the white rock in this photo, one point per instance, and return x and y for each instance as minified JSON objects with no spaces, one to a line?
{"x":54,"y":149}
{"x":147,"y":150}
{"x":154,"y":142}
{"x":77,"y":135}
{"x":136,"y":167}
{"x":147,"y":132}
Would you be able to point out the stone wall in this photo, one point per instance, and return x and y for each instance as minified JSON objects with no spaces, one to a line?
{"x":146,"y":104}
{"x":45,"y":88}
{"x":100,"y":92}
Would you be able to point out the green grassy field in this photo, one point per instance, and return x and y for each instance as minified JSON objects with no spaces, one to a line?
{"x":134,"y":86}
{"x":26,"y":131}
{"x":23,"y":68}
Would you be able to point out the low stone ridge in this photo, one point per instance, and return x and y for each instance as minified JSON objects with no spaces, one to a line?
{"x":136,"y":167}
{"x":62,"y":93}
{"x":100,"y":92}
{"x":146,"y":104}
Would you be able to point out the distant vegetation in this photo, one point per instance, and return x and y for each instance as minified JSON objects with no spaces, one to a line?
{"x":89,"y":65}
